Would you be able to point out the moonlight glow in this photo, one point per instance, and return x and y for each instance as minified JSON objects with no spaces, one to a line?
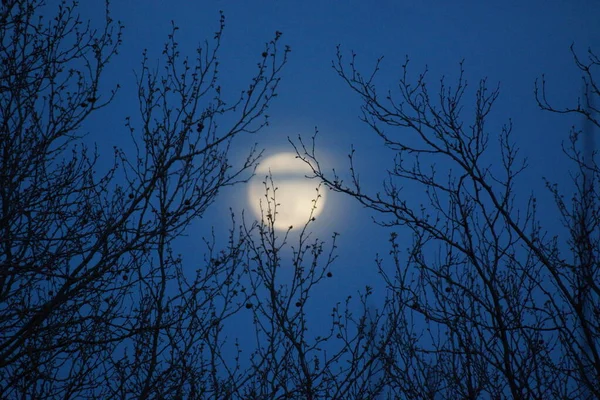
{"x":295,"y":194}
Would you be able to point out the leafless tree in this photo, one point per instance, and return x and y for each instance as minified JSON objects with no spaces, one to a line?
{"x":94,"y":300}
{"x":485,"y":302}
{"x":293,"y":359}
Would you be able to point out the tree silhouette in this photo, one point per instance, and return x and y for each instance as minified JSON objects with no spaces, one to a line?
{"x":485,"y":302}
{"x":95,"y":302}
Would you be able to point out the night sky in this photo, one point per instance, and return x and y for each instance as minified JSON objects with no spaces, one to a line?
{"x":510,"y":43}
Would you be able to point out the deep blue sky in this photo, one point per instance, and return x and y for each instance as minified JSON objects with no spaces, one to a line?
{"x":509,"y":42}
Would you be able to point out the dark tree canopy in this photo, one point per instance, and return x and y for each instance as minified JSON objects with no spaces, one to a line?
{"x":95,"y":302}
{"x":510,"y":309}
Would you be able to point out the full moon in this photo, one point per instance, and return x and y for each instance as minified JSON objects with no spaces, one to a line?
{"x":295,"y":195}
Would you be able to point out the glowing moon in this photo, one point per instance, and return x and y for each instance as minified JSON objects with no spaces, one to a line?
{"x":295,"y":195}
